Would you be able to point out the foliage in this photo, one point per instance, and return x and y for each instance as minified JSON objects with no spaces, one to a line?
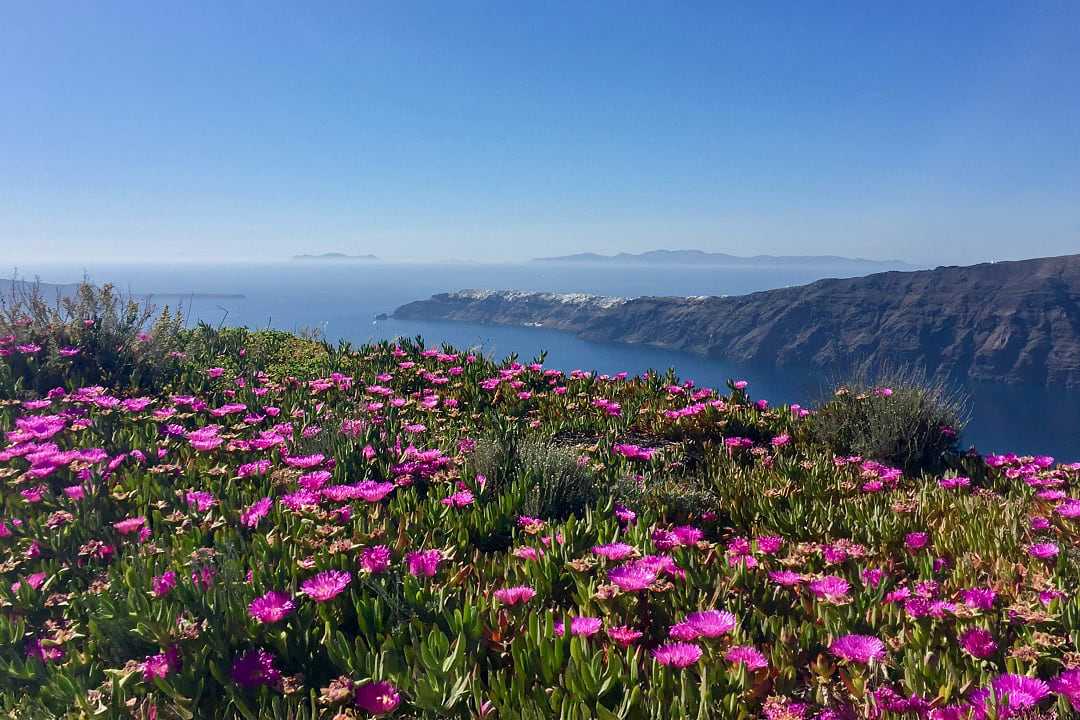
{"x":901,"y":419}
{"x":95,"y":335}
{"x":288,"y":528}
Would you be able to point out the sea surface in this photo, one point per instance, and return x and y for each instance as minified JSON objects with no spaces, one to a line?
{"x":342,"y":299}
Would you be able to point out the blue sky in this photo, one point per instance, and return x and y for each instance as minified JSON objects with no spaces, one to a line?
{"x":933,"y":132}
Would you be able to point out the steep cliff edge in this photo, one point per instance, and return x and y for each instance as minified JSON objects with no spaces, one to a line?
{"x":1016,"y":322}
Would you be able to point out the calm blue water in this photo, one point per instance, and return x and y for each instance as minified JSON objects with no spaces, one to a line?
{"x":343,"y":299}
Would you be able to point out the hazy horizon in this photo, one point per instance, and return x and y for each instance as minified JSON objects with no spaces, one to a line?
{"x":927,"y":134}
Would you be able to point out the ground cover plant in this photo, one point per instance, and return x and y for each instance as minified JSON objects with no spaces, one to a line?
{"x":277,"y":527}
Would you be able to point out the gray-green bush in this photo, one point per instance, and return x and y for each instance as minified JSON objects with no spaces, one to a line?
{"x":897,"y":416}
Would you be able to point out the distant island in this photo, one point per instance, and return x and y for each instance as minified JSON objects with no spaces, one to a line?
{"x":334,"y":256}
{"x":700,"y":258}
{"x":1014,"y":322}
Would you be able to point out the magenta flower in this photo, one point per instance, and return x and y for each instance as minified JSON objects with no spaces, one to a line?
{"x":830,"y":588}
{"x":623,"y":635}
{"x":1043,"y":551}
{"x":633,"y":577}
{"x":375,"y":559}
{"x":129,"y":525}
{"x":377,"y":698}
{"x":372,"y":492}
{"x":861,"y":649}
{"x":200,"y":500}
{"x":978,"y":643}
{"x":1067,"y":685}
{"x":677,"y":654}
{"x":746,"y":655}
{"x":706,"y":624}
{"x":255,"y":668}
{"x":1011,"y":693}
{"x":460,"y":499}
{"x":580,"y":626}
{"x":252,"y":515}
{"x":916,"y":541}
{"x":614,"y":551}
{"x":271,"y":607}
{"x":979,"y":598}
{"x":163,"y":584}
{"x":787,"y":578}
{"x":423,"y":563}
{"x":326,"y":586}
{"x":161,"y":665}
{"x":517,"y":595}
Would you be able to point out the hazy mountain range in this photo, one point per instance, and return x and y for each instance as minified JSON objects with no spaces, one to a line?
{"x":700,"y":257}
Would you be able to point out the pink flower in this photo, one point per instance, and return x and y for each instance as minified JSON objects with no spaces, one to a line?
{"x":130,"y":525}
{"x":746,"y":655}
{"x":858,"y":648}
{"x":377,"y":698}
{"x":706,"y":624}
{"x":786,"y":578}
{"x":517,"y":595}
{"x":255,"y":668}
{"x":375,"y":559}
{"x":460,"y":499}
{"x":1067,"y":685}
{"x":831,"y":588}
{"x":979,"y":598}
{"x":373,"y":492}
{"x":252,"y":515}
{"x":326,"y":585}
{"x":271,"y":607}
{"x":614,"y":551}
{"x":633,"y":577}
{"x":1011,"y":693}
{"x":161,"y":665}
{"x":978,"y":643}
{"x":623,"y":636}
{"x":423,"y":563}
{"x":163,"y":584}
{"x":916,"y":541}
{"x":1043,"y":551}
{"x":580,"y":626}
{"x":677,"y":654}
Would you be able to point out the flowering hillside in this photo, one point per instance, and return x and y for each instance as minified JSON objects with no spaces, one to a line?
{"x":281,"y":528}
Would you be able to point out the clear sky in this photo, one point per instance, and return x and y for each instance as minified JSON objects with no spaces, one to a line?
{"x":933,"y":132}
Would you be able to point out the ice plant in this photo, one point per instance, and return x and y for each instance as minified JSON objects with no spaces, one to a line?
{"x":677,"y":654}
{"x":254,"y":668}
{"x":517,"y":595}
{"x":377,"y":698}
{"x":581,"y":626}
{"x":326,"y":585}
{"x":272,"y":607}
{"x":423,"y":563}
{"x":862,"y":649}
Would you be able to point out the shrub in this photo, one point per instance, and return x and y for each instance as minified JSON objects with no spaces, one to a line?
{"x":92,"y":336}
{"x":561,"y":485}
{"x":900,"y":418}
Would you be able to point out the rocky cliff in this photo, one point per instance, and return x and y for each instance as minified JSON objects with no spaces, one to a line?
{"x":1016,"y":322}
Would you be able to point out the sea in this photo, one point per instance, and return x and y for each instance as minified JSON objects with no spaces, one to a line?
{"x":342,"y":299}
